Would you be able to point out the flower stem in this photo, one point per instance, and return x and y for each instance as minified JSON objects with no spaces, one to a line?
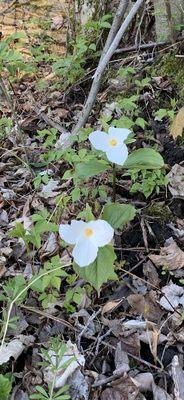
{"x":114,"y":183}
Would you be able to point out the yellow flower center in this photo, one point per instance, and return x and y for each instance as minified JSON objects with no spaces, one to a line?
{"x":113,"y":142}
{"x":88,"y":232}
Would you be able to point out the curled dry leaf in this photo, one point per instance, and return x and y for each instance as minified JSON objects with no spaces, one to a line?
{"x":111,"y":306}
{"x":174,"y":297}
{"x":57,"y":23}
{"x":146,"y":383}
{"x":171,"y":256}
{"x":2,"y":266}
{"x":121,"y":359}
{"x":18,"y":394}
{"x":178,"y":124}
{"x":73,"y":354}
{"x":176,"y":181}
{"x":50,"y":190}
{"x":78,"y":386}
{"x":178,"y":378}
{"x":121,"y":389}
{"x":50,"y":247}
{"x":14,"y":348}
{"x":146,"y":305}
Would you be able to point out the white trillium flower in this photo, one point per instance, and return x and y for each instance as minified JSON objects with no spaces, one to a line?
{"x":112,"y":143}
{"x":87,"y":238}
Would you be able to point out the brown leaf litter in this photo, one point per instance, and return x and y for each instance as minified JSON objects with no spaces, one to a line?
{"x":171,"y":256}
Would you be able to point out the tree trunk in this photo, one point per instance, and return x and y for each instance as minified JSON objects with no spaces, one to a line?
{"x":86,"y":9}
{"x":167,"y":25}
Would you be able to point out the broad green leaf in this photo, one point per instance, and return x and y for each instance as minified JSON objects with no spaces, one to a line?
{"x":140,"y":122}
{"x":75,"y":193}
{"x":42,"y":391}
{"x":118,"y":214}
{"x":5,"y":386}
{"x":100,"y":270}
{"x":144,"y":159}
{"x":91,"y":168}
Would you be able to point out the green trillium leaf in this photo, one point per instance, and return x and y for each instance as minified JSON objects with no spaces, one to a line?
{"x":118,"y":215}
{"x":91,"y":168}
{"x":100,"y":270}
{"x":144,"y":159}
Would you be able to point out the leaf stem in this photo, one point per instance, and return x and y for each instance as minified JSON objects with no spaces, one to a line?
{"x":114,"y":183}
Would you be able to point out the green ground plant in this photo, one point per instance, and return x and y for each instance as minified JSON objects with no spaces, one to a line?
{"x":54,"y":359}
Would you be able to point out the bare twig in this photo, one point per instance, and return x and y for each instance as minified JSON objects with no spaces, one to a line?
{"x":115,"y":25}
{"x":48,"y":120}
{"x":147,"y":46}
{"x":118,"y":374}
{"x":92,"y":317}
{"x":46,"y":315}
{"x":102,"y":66}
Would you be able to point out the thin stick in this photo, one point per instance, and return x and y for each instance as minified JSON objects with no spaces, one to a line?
{"x":102,"y":66}
{"x":48,"y":316}
{"x":147,"y":46}
{"x":21,"y":293}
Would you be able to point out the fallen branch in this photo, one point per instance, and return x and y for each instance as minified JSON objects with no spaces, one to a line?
{"x":102,"y":66}
{"x":148,"y":46}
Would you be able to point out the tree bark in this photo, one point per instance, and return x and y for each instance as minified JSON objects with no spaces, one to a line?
{"x":169,"y":14}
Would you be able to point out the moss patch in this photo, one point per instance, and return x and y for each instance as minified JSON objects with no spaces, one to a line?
{"x":160,"y":211}
{"x":173,"y":67}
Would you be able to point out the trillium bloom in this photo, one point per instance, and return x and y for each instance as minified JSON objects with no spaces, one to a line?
{"x":87,"y":238}
{"x":112,"y":143}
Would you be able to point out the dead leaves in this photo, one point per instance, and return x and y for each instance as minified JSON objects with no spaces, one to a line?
{"x":171,"y":256}
{"x":176,"y":181}
{"x":173,"y":297}
{"x":14,"y":348}
{"x":121,"y":389}
{"x":110,"y":306}
{"x":178,"y":124}
{"x":146,"y":305}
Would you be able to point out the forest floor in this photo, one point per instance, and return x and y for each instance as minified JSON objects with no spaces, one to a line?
{"x":127,"y":339}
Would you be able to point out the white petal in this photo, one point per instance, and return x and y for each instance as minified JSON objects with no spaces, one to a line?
{"x":118,"y":155}
{"x":70,"y":233}
{"x":103,"y":232}
{"x":84,"y":252}
{"x":99,"y":140}
{"x":120,"y":134}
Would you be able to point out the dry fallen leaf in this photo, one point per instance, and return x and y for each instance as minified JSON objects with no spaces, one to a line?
{"x":174,"y":296}
{"x":171,"y":256}
{"x":57,"y":23}
{"x":121,"y":389}
{"x":49,"y":248}
{"x":176,"y":181}
{"x":178,"y":124}
{"x":77,"y":361}
{"x":2,"y":265}
{"x":14,"y":348}
{"x":178,"y":378}
{"x":145,"y":382}
{"x":111,"y":306}
{"x":146,"y":305}
{"x":49,"y":189}
{"x":121,"y":359}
